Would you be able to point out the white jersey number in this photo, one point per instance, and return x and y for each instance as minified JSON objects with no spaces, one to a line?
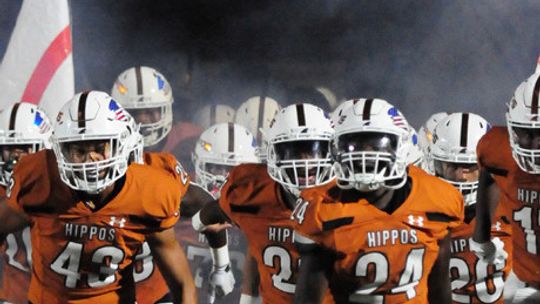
{"x":378,"y":262}
{"x":281,"y":280}
{"x":13,"y":247}
{"x":463,"y":278}
{"x":144,"y":264}
{"x":67,"y":264}
{"x":526,"y":216}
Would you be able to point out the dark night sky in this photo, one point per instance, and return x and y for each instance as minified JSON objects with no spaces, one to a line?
{"x":423,"y":56}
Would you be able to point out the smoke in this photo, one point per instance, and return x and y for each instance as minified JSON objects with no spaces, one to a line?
{"x":424,"y":56}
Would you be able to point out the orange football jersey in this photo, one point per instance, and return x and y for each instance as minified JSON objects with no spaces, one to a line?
{"x":82,"y":254}
{"x":381,"y":257}
{"x":520,"y":197}
{"x":151,"y":285}
{"x":473,"y":280}
{"x":253,"y":201}
{"x":16,"y":265}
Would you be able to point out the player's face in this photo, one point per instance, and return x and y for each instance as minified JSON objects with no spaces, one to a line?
{"x":368,"y":147}
{"x":147,"y":115}
{"x":458,"y":172}
{"x":11,"y":154}
{"x":528,"y":138}
{"x":302,"y":150}
{"x":88,"y":152}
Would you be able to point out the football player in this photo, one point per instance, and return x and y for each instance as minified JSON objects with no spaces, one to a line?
{"x":425,"y":136}
{"x":260,"y":198}
{"x":146,"y":94}
{"x":379,"y":233}
{"x":255,"y":114}
{"x":453,"y":152}
{"x":219,"y":148}
{"x":510,"y":178}
{"x":91,"y":213}
{"x":24,"y":129}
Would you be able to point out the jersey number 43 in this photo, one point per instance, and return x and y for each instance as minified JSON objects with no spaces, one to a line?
{"x":68,"y":264}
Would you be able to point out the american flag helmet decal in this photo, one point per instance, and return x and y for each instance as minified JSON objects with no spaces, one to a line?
{"x":119,"y":112}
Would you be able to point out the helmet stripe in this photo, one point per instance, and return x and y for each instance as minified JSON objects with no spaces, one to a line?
{"x":464,"y":129}
{"x":138,"y":78}
{"x":367,"y":109}
{"x":81,"y":114}
{"x":301,"y":115}
{"x":536,"y":92}
{"x":231,"y":137}
{"x":13,"y":117}
{"x":213,"y":118}
{"x":262,"y":101}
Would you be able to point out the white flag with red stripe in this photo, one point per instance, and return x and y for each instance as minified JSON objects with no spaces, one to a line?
{"x":38,"y":65}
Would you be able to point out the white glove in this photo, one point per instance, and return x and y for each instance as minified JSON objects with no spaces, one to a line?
{"x":491,"y":252}
{"x":221,"y":282}
{"x":221,"y":277}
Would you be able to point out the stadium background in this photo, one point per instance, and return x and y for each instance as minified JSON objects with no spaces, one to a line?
{"x":424,"y":56}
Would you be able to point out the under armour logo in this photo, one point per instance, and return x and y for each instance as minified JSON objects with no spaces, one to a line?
{"x":497,"y":226}
{"x":121,"y":222}
{"x":418,"y":220}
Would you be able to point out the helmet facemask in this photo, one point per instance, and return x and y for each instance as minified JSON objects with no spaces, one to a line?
{"x":155,"y":119}
{"x":212,"y":175}
{"x":525,"y":143}
{"x":369,"y":160}
{"x":461,"y":172}
{"x":13,"y":146}
{"x":300,"y":164}
{"x":92,"y":176}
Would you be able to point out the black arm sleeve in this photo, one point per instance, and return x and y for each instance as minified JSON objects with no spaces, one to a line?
{"x":212,"y":214}
{"x":194,"y":200}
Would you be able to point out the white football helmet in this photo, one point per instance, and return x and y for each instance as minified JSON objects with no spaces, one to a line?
{"x":22,"y":125}
{"x":425,"y":136}
{"x":523,"y":122}
{"x":454,"y":145}
{"x":210,"y":115}
{"x":147,"y":95}
{"x":218,"y":150}
{"x":255,"y":114}
{"x":93,"y":116}
{"x":299,"y":147}
{"x":341,"y":109}
{"x":415,"y":155}
{"x":370,"y":146}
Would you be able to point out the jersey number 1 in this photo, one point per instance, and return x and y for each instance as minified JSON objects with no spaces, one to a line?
{"x":526,"y":217}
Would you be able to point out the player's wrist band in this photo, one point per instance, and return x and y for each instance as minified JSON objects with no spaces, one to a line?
{"x":220,"y":256}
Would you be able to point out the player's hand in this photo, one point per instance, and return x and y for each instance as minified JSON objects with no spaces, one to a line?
{"x":221,"y":282}
{"x":215,"y":228}
{"x":491,"y":252}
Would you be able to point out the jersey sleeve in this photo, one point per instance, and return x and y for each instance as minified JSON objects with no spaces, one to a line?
{"x":308,"y":225}
{"x":169,"y":163}
{"x":163,"y":200}
{"x":245,"y":191}
{"x":28,"y":187}
{"x":494,"y":153}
